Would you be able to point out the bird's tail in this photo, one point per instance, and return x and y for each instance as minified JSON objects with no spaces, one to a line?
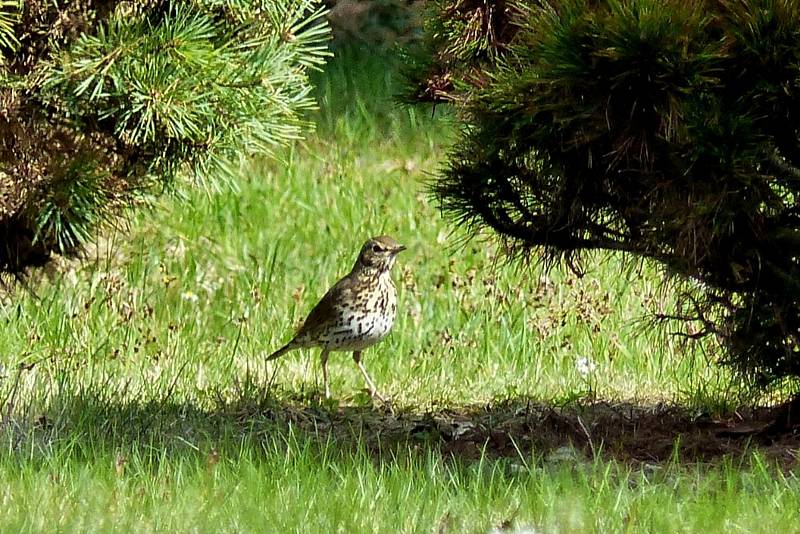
{"x":281,"y":351}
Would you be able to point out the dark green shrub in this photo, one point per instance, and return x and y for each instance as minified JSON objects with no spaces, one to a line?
{"x":664,"y":129}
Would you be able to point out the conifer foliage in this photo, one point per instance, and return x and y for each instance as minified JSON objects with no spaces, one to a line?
{"x":103,"y":103}
{"x":666,"y":129}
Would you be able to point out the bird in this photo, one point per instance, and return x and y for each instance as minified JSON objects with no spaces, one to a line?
{"x":357,"y":312}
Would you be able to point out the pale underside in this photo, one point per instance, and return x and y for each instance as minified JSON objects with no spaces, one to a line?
{"x":350,"y":320}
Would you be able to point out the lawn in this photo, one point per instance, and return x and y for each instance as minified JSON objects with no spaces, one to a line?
{"x":135,"y":394}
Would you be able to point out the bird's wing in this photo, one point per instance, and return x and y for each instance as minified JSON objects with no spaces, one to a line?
{"x":326,"y":309}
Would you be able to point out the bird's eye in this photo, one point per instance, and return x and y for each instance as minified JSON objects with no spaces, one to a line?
{"x":376,"y":248}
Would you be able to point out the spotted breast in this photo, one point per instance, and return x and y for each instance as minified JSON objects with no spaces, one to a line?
{"x":364,"y":321}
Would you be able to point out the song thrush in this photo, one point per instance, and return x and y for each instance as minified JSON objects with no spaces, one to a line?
{"x":358,"y":311}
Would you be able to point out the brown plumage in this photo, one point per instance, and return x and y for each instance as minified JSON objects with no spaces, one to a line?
{"x":358,"y":311}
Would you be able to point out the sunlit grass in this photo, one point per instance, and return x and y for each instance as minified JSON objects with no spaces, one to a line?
{"x":315,"y":489}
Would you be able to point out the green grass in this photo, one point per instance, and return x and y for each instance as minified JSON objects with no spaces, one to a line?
{"x":319,"y":490}
{"x":135,"y":395}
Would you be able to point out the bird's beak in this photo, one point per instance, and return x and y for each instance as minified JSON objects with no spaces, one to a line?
{"x":399,"y":248}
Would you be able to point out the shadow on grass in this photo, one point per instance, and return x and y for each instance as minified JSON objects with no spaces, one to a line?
{"x":93,"y":423}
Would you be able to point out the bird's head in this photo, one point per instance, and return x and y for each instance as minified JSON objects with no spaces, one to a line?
{"x":379,"y":253}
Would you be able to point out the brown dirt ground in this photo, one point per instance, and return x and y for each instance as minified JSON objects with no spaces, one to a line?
{"x":516,"y":429}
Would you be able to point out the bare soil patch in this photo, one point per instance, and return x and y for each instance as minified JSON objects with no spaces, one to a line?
{"x":516,"y":429}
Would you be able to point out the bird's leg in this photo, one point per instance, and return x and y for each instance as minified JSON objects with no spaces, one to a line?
{"x":324,"y":359}
{"x":373,"y":391}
